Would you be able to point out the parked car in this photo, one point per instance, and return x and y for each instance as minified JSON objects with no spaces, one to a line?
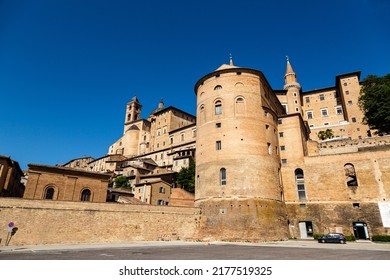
{"x":333,"y":238}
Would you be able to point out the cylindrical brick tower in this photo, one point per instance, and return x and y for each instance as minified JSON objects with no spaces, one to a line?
{"x":238,"y":185}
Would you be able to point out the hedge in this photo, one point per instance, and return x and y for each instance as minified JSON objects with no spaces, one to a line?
{"x":381,"y":238}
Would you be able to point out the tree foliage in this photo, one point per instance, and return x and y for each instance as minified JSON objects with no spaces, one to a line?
{"x":186,"y":177}
{"x":327,"y":134}
{"x":374,"y":100}
{"x":121,"y":182}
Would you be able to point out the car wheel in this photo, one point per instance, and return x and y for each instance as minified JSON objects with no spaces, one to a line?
{"x":322,"y":241}
{"x":342,"y":241}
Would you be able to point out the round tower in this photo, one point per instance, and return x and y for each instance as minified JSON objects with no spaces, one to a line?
{"x":238,"y":185}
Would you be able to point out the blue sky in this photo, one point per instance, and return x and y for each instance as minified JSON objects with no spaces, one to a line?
{"x":68,"y":68}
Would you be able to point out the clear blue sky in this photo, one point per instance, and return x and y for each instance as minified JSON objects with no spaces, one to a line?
{"x":68,"y":67}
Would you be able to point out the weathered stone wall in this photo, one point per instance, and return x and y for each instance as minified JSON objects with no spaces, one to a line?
{"x":328,"y":216}
{"x":56,"y":222}
{"x":242,"y":219}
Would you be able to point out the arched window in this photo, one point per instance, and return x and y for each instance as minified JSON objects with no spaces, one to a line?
{"x":218,"y":107}
{"x":49,"y":193}
{"x":300,"y":183}
{"x":86,"y":195}
{"x":218,"y":87}
{"x":240,"y":105}
{"x":222,"y":176}
{"x":350,"y":175}
{"x":202,"y":113}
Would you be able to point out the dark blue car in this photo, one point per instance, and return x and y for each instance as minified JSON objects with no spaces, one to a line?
{"x":333,"y":238}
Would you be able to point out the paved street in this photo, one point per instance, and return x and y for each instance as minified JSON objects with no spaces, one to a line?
{"x":286,"y":250}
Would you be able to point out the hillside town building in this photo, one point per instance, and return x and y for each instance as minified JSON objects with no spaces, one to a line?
{"x":264,"y":171}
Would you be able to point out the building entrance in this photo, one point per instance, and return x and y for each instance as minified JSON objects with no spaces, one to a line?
{"x":360,"y":230}
{"x":306,"y":229}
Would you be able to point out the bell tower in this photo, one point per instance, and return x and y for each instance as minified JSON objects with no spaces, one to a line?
{"x":133,"y":112}
{"x":294,"y":102}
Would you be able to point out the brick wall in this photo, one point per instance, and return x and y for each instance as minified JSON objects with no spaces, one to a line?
{"x":60,"y":222}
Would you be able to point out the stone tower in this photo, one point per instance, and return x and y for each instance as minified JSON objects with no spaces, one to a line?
{"x":293,"y":95}
{"x":238,"y":185}
{"x":133,"y":112}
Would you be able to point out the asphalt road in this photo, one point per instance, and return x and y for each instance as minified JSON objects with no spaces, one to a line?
{"x":290,"y":250}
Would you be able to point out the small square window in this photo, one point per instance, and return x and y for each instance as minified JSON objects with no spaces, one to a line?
{"x":218,"y":125}
{"x":284,"y":160}
{"x":307,"y":99}
{"x":280,"y":121}
{"x":322,"y":97}
{"x":281,"y":134}
{"x":282,"y":148}
{"x":349,"y":102}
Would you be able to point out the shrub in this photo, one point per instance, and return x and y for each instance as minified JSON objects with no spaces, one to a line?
{"x":317,"y":235}
{"x":381,"y":238}
{"x":350,"y":237}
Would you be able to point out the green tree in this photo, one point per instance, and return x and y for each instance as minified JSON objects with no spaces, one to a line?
{"x":327,"y":134}
{"x":186,"y":177}
{"x":374,"y":100}
{"x":121,"y":182}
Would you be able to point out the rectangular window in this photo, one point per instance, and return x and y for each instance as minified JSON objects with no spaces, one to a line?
{"x":282,"y":148}
{"x":284,"y":160}
{"x":339,"y":110}
{"x":322,"y":97}
{"x":301,"y":192}
{"x":353,"y":119}
{"x":324,"y":112}
{"x":218,"y":125}
{"x":309,"y":114}
{"x":350,"y":102}
{"x":285,"y":107}
{"x":171,"y":140}
{"x":281,"y":134}
{"x":269,"y":148}
{"x":222,"y":176}
{"x":280,"y":121}
{"x":218,"y":145}
{"x":307,"y":99}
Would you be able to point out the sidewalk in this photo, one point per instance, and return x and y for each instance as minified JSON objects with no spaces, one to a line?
{"x":359,"y":245}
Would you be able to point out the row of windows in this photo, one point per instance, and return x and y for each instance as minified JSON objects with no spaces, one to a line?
{"x":240,"y":106}
{"x":84,"y":196}
{"x":324,"y":112}
{"x":350,"y":174}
